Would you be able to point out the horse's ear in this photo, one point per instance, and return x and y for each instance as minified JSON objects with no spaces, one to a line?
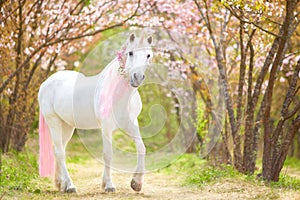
{"x":149,"y":40}
{"x":132,"y":37}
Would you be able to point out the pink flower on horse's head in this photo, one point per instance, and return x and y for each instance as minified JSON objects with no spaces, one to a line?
{"x":120,"y":58}
{"x":119,"y":55}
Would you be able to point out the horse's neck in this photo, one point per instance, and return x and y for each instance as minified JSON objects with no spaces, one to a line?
{"x":112,"y":75}
{"x":114,"y":90}
{"x":112,"y":66}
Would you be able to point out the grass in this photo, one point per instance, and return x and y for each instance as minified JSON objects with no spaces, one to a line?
{"x":186,"y":164}
{"x":287,"y":182}
{"x":76,"y":151}
{"x":210,"y":175}
{"x":198,"y":172}
{"x":292,"y":162}
{"x":18,"y":172}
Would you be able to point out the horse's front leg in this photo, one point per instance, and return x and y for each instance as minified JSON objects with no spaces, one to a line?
{"x":107,"y":183}
{"x":137,"y":180}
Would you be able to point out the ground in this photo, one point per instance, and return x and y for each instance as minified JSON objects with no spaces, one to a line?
{"x":166,"y":184}
{"x":157,"y":186}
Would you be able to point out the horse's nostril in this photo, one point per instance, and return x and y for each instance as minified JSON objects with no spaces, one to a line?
{"x":138,"y":77}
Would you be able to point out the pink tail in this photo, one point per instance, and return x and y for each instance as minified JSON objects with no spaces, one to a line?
{"x":46,"y":151}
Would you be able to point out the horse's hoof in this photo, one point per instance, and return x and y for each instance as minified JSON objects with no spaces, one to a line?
{"x":136,"y":186}
{"x":71,"y":190}
{"x":103,"y":185}
{"x":110,"y":190}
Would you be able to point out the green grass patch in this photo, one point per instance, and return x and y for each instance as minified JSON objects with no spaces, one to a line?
{"x":20,"y":174}
{"x":196,"y":171}
{"x":211,"y":174}
{"x":76,"y":152}
{"x":292,"y":162}
{"x":123,"y":141}
{"x":287,"y":182}
{"x":186,"y":164}
{"x":77,"y":159}
{"x":18,"y":171}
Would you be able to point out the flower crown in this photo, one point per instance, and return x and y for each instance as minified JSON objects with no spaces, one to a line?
{"x":122,"y":61}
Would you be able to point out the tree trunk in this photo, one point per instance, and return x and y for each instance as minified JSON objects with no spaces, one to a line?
{"x":292,"y":149}
{"x":277,"y":166}
{"x":225,"y":136}
{"x":298,"y":144}
{"x":1,"y":165}
{"x":221,"y":64}
{"x":8,"y":127}
{"x":14,"y":96}
{"x":250,"y":140}
{"x":280,"y":149}
{"x":269,"y":138}
{"x":2,"y":128}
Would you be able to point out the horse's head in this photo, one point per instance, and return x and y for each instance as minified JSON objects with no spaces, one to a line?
{"x":139,"y":53}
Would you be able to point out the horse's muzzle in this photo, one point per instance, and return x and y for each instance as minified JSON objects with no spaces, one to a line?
{"x":137,"y":79}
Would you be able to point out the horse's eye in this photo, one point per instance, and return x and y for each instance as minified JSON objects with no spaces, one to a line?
{"x":148,"y":56}
{"x":130,"y":53}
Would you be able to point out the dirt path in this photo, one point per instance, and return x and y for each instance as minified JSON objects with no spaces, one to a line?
{"x":161,"y":186}
{"x":86,"y":176}
{"x":156,"y":185}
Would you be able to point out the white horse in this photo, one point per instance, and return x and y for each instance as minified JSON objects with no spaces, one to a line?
{"x":109,"y":100}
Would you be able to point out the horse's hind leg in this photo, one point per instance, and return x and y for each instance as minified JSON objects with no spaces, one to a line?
{"x":61,"y":134}
{"x":67,"y":133}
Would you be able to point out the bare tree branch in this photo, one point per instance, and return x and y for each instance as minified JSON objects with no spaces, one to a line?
{"x":292,"y":112}
{"x":48,"y":42}
{"x":249,"y":22}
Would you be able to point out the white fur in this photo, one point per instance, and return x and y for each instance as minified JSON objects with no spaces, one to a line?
{"x":57,"y":96}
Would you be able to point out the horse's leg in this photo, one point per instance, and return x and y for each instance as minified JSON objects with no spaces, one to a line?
{"x":60,"y":134}
{"x":137,"y":180}
{"x":107,"y":183}
{"x":66,"y":137}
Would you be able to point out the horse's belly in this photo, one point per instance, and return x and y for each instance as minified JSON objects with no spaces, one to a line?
{"x":83,"y":107}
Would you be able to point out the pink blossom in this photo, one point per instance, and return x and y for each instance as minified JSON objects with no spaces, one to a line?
{"x":290,"y":73}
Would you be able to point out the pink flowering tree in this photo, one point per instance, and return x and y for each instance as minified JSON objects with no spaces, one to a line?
{"x":250,"y":46}
{"x":253,"y":46}
{"x":36,"y":36}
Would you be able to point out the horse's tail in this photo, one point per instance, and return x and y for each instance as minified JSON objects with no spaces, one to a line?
{"x":46,"y":160}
